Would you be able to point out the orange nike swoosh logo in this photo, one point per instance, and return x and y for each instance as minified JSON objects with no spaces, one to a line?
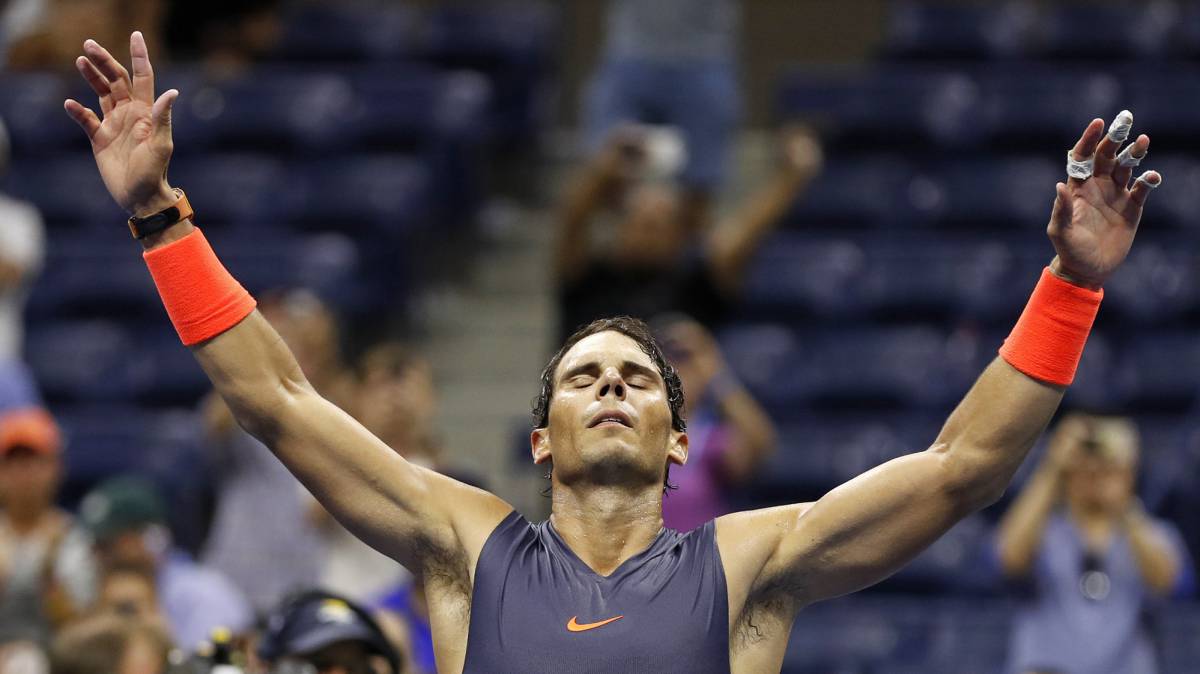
{"x":576,"y":627}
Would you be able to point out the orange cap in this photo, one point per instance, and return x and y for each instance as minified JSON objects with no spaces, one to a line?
{"x":31,"y":427}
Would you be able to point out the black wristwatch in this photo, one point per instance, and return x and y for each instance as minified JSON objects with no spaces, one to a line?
{"x":152,"y":224}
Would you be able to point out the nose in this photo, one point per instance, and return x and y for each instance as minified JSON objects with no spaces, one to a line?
{"x":610,"y":383}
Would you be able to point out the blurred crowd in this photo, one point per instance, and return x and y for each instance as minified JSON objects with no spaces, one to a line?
{"x":277,"y":584}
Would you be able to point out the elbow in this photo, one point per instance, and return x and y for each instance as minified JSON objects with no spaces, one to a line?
{"x":265,"y":412}
{"x":973,"y":484}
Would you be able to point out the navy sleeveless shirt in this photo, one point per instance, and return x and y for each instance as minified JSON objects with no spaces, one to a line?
{"x":537,"y":608}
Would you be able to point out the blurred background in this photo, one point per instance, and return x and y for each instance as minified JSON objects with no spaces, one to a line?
{"x":832,"y":213}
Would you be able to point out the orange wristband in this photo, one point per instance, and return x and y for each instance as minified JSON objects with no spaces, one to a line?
{"x":201,"y":297}
{"x":1048,"y":340}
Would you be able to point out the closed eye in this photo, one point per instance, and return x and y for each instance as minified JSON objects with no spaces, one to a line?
{"x":582,"y":382}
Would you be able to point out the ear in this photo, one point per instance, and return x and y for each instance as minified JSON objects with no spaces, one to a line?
{"x":677,"y":452}
{"x":539,"y":443}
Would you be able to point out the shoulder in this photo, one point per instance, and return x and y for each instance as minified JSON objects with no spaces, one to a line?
{"x":750,"y":540}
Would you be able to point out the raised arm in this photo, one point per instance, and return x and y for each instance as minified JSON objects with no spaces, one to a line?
{"x":866,"y":529}
{"x":734,"y":241}
{"x":602,"y":177}
{"x":406,"y":511}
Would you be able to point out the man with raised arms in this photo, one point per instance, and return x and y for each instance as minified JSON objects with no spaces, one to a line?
{"x":602,"y":586}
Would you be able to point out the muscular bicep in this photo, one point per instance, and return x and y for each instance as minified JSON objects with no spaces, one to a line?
{"x":868,"y":528}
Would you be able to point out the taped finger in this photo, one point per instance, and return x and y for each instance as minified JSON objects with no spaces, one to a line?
{"x":1128,"y":158}
{"x":1118,"y":131}
{"x":1145,"y":184}
{"x":1080,"y":169}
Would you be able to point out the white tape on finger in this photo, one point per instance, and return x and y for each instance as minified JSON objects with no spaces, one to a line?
{"x":1127,"y":160}
{"x":1118,"y":131}
{"x":1081,"y":170}
{"x":1142,"y":179}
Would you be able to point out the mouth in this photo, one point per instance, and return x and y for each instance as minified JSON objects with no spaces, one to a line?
{"x":611,"y":418}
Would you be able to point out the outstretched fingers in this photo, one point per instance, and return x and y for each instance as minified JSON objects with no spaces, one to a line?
{"x":83,"y":116}
{"x":1060,"y":214}
{"x":1143,"y":186}
{"x":1118,"y":133}
{"x":1085,"y":147}
{"x":96,"y":81}
{"x":143,"y":73}
{"x":161,"y":111}
{"x":1130,"y":157}
{"x":110,"y":68}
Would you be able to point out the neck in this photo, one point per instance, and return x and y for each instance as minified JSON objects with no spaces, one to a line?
{"x":604,"y":526}
{"x":25,"y":520}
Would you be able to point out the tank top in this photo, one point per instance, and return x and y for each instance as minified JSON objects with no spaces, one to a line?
{"x":537,"y":608}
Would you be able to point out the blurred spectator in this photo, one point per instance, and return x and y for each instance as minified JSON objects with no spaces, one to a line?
{"x":654,"y":265}
{"x":127,"y":517}
{"x":111,"y":644}
{"x":730,"y":434}
{"x":131,"y":590}
{"x":49,"y":34}
{"x":47,"y":573}
{"x":21,"y":252}
{"x":227,"y":35}
{"x":262,"y":512}
{"x":404,"y":614}
{"x":672,"y":62}
{"x":330,"y":634}
{"x":396,"y":401}
{"x":1096,"y":561}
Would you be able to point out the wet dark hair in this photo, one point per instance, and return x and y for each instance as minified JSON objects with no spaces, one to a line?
{"x":638,"y":331}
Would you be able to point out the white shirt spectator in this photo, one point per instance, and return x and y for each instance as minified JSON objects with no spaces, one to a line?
{"x":22,"y":250}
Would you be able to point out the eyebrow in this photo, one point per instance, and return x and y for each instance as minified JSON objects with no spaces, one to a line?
{"x":593,"y":367}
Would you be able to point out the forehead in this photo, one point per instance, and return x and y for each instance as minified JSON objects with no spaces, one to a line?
{"x":605,"y":348}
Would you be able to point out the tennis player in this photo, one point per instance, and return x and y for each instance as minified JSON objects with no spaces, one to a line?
{"x":602,"y":586}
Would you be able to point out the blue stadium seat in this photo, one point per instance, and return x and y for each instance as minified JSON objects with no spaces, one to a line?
{"x":31,"y":105}
{"x":995,"y":192}
{"x":512,"y":43}
{"x":67,"y":189}
{"x":943,"y":30}
{"x":1161,"y":371}
{"x":83,"y":360}
{"x":1118,"y":31}
{"x":794,"y":276}
{"x":903,"y":634}
{"x":228,"y":188}
{"x":835,"y":198}
{"x":1036,"y":108}
{"x":94,"y":279}
{"x":269,"y":109}
{"x":103,"y":361}
{"x":885,"y":106}
{"x":1160,"y":103}
{"x":1158,"y":284}
{"x":383,"y":194}
{"x":323,"y":33}
{"x":441,"y":117}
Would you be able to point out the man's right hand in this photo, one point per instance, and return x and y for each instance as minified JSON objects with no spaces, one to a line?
{"x":132,"y":145}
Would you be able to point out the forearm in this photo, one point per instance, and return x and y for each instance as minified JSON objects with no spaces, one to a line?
{"x":583,"y":200}
{"x":736,"y":241}
{"x":1156,"y":561}
{"x":1021,"y":530}
{"x":753,"y":430}
{"x":992,"y":430}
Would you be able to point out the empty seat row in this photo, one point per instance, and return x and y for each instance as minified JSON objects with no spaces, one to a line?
{"x":921,"y":367}
{"x":1000,"y":107}
{"x":964,"y":193}
{"x":106,"y":280}
{"x":380,"y":195}
{"x":275,"y":107}
{"x":1022,"y":29}
{"x":822,"y":277}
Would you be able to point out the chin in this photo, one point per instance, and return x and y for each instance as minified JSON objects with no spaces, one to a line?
{"x":618,"y":461}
